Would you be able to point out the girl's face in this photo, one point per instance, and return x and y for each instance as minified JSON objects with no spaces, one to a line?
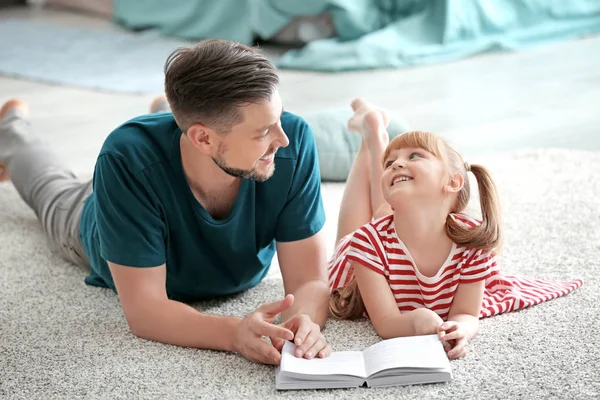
{"x":412,"y":173}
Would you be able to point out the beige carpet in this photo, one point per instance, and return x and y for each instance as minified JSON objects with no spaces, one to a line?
{"x":60,"y":338}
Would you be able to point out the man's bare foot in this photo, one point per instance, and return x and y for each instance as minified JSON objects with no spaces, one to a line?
{"x":369,"y":121}
{"x":11,"y":104}
{"x":14,"y":104}
{"x":160,"y":104}
{"x":3,"y":173}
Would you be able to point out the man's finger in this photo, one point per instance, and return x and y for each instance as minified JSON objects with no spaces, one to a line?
{"x":263,"y":328}
{"x":277,"y":343}
{"x":270,"y":310}
{"x":264,"y":353}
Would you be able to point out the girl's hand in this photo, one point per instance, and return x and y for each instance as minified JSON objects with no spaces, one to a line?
{"x":425,"y":321}
{"x":453,"y":333}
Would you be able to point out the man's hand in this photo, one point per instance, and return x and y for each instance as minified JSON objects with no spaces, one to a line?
{"x":255,"y":326}
{"x":425,"y":321}
{"x":308,"y":338}
{"x":453,"y":333}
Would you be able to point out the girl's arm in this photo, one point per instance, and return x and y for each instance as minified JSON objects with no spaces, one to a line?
{"x":383,"y":311}
{"x":463,"y":318}
{"x":466,"y":306}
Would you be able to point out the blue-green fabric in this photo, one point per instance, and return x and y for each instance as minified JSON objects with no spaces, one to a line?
{"x":142,"y":212}
{"x":374,"y":33}
{"x":398,"y":33}
{"x":336,"y":145}
{"x":188,"y":19}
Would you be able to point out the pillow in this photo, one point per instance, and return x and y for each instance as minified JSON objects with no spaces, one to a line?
{"x":336,"y":145}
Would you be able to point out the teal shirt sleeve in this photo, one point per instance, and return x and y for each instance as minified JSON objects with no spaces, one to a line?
{"x":303,"y":215}
{"x":130,"y":228}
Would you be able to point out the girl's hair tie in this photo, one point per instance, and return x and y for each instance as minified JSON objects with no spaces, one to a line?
{"x":467,"y":167}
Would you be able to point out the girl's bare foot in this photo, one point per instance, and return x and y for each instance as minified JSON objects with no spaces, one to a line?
{"x":12,"y":104}
{"x":370,"y":122}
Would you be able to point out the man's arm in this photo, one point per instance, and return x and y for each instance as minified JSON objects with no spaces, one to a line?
{"x":303,"y":265}
{"x":152,"y":315}
{"x":301,"y":246}
{"x":304,"y":270}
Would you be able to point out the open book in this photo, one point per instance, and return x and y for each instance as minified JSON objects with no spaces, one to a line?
{"x":400,"y":361}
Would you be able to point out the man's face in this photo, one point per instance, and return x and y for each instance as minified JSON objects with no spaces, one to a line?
{"x":248,"y":151}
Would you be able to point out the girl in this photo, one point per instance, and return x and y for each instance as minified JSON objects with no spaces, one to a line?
{"x":407,"y":254}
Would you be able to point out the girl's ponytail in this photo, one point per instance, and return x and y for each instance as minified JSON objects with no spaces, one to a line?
{"x":488,"y":235}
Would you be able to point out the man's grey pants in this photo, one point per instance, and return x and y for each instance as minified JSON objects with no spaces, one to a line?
{"x":46,"y":185}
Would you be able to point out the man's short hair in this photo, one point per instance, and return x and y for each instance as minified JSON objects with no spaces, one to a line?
{"x":208,"y":82}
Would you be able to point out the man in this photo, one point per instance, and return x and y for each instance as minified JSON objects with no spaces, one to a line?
{"x":192,"y":204}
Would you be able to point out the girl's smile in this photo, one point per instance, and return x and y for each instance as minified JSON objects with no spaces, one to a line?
{"x":400,"y":178}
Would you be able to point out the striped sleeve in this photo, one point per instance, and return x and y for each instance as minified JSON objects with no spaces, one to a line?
{"x":466,"y":220}
{"x":478,"y":266}
{"x":367,"y":250}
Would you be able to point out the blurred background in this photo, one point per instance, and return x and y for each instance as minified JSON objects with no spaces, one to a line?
{"x":490,"y":75}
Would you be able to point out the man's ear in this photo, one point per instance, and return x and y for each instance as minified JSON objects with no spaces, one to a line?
{"x":203,"y":138}
{"x":455,"y":183}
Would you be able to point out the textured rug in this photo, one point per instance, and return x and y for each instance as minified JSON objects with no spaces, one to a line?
{"x":93,"y":58}
{"x":60,"y":338}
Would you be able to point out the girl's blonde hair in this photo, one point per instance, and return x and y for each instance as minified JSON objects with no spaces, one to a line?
{"x":346,"y":302}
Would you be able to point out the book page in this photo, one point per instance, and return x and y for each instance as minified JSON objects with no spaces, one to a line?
{"x":338,"y":363}
{"x":406,"y":352}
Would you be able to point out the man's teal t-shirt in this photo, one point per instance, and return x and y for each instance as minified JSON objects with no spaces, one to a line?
{"x":142,"y":212}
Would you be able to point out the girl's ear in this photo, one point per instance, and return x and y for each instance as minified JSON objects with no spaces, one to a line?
{"x":455,"y":183}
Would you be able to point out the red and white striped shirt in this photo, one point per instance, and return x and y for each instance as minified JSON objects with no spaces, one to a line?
{"x":377,"y":247}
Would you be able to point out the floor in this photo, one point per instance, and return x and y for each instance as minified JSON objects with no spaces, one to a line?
{"x":547,"y":96}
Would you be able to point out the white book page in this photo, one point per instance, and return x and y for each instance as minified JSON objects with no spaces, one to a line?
{"x":406,"y":352}
{"x":338,"y":363}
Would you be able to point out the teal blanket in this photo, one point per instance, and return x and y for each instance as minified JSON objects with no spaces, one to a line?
{"x":374,"y":33}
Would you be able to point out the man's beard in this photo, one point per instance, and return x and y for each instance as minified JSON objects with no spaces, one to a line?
{"x":251,"y":174}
